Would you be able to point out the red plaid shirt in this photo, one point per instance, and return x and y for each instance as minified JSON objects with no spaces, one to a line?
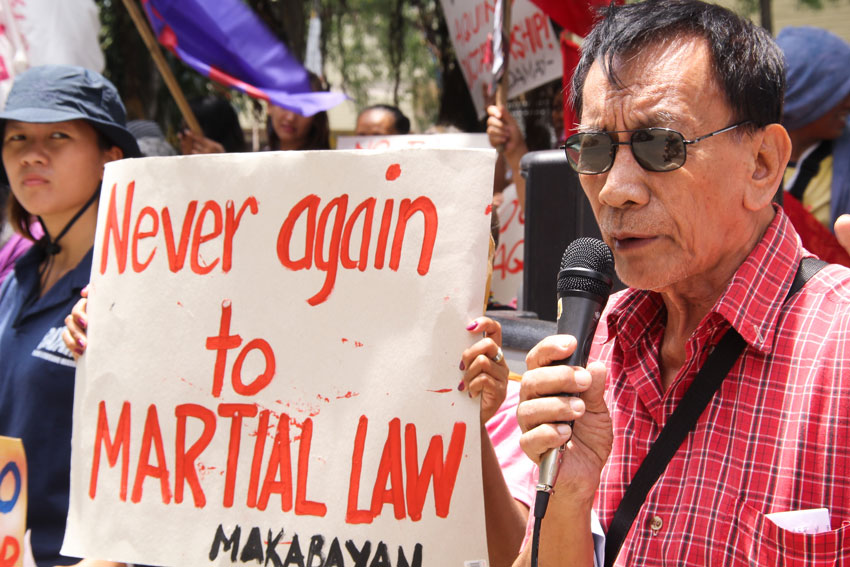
{"x":775,"y":438}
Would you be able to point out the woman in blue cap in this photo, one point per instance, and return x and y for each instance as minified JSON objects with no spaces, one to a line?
{"x":816,"y":113}
{"x":61,"y":125}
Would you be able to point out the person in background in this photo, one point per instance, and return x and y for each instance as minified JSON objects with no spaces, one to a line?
{"x":504,"y":134}
{"x":220,"y":124}
{"x":150,"y":138}
{"x":817,"y":105}
{"x":816,"y":111}
{"x":381,"y":120}
{"x":61,"y":125}
{"x":288,"y":130}
{"x":680,"y":153}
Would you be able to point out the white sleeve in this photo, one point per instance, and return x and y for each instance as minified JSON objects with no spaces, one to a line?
{"x":598,"y":540}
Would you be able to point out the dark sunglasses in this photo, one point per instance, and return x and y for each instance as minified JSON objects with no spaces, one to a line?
{"x":655,"y":149}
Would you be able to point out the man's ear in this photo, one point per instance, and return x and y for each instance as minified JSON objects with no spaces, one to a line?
{"x":772,"y":149}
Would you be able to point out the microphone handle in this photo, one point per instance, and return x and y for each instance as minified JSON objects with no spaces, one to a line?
{"x":578,"y":315}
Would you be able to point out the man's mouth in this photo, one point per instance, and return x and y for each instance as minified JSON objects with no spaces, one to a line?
{"x":630,"y":242}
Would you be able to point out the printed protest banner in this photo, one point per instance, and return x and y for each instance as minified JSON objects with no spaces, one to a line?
{"x":535,"y":55}
{"x":13,"y":502}
{"x":272,"y":366}
{"x":455,"y":140}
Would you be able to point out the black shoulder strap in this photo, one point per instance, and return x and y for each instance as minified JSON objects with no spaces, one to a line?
{"x":683,"y":420}
{"x":808,"y":168}
{"x":809,"y":266}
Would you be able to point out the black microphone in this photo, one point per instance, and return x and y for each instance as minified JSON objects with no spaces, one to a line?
{"x":584,"y":284}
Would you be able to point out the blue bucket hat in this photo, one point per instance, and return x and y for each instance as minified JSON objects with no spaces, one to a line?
{"x":57,"y":93}
{"x":817,"y":73}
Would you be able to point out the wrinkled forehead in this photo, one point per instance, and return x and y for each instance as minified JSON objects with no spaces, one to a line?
{"x":659,"y":84}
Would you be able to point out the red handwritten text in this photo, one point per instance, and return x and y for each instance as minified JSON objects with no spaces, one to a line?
{"x":278,"y":478}
{"x":208,"y":226}
{"x":332,"y":225}
{"x":443,"y":473}
{"x":509,"y":261}
{"x":400,"y":480}
{"x":223,"y":342}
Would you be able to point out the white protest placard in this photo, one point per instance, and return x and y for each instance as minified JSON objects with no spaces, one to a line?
{"x":454,"y":140}
{"x":272,"y":366}
{"x":13,"y":502}
{"x":535,"y":55}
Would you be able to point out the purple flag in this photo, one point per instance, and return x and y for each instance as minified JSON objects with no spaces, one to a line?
{"x":225,"y":41}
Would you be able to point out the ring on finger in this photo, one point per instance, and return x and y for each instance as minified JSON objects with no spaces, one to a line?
{"x":500,"y":356}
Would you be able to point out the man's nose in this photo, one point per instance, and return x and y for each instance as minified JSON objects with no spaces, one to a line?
{"x":625,"y":183}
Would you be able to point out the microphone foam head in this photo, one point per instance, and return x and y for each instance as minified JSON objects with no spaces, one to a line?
{"x":587,"y":254}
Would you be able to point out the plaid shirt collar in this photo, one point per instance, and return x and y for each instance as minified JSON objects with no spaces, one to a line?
{"x":751,"y":303}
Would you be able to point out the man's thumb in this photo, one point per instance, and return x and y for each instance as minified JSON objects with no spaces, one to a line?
{"x":594,"y":397}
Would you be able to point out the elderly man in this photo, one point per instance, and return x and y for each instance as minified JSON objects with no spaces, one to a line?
{"x":680,"y":154}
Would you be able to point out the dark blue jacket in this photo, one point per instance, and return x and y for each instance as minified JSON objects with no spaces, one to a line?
{"x":37,"y":392}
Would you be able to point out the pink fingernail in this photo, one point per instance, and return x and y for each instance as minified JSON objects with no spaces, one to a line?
{"x":472,"y":326}
{"x":462,"y":365}
{"x":81,"y":344}
{"x":82,"y":323}
{"x":461,"y":387}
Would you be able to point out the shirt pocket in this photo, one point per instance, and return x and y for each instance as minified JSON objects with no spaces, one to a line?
{"x":761,"y":542}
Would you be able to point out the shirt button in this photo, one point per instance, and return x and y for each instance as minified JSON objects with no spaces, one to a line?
{"x":655,"y":524}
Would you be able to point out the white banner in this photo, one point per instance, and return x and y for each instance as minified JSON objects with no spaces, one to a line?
{"x":535,"y":55}
{"x":273,"y":356}
{"x":47,"y":32}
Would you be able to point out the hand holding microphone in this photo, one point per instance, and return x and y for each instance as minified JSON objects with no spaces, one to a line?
{"x":584,"y":283}
{"x":556,"y":372}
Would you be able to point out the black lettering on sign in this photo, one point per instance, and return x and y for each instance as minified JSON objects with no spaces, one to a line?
{"x":265,"y":551}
